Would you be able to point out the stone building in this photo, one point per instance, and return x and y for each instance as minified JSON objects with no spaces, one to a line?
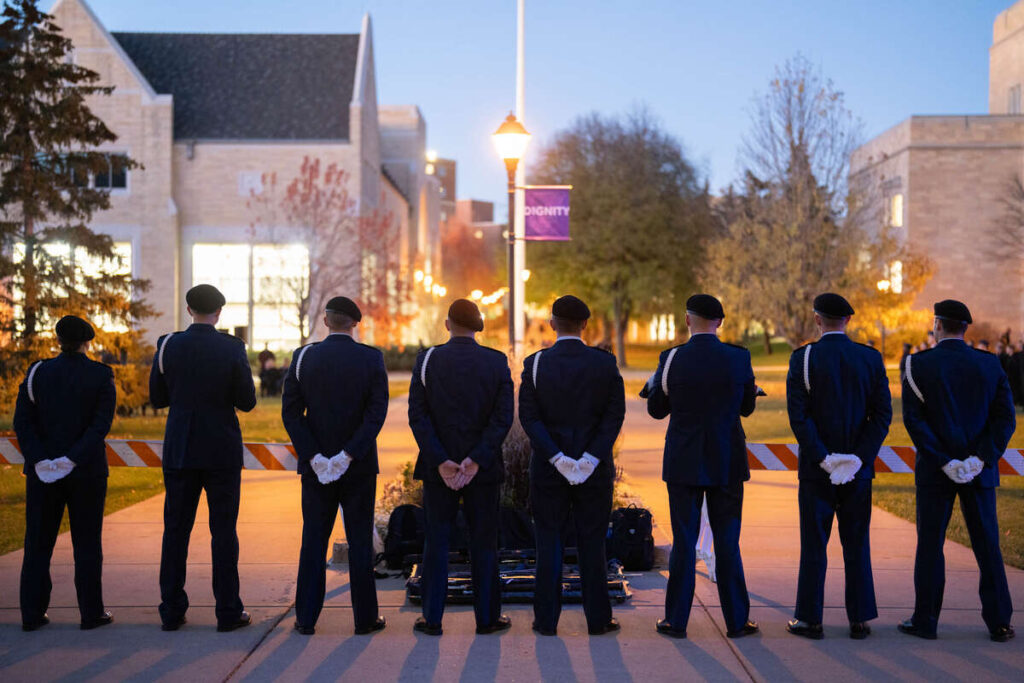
{"x":943,"y":181}
{"x":208,"y":115}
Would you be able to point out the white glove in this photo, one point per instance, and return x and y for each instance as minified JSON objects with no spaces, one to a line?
{"x":585,"y":466}
{"x":322,"y":467}
{"x":830,"y":463}
{"x":63,"y":466}
{"x":845,"y":471}
{"x":46,"y":471}
{"x":566,"y":466}
{"x":956,"y":470}
{"x":973,"y":467}
{"x":339,"y":465}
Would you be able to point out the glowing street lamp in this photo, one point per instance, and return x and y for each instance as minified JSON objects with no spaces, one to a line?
{"x":510,"y":140}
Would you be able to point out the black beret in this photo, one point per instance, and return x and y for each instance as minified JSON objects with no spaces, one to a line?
{"x":345,"y":306}
{"x":706,"y":306}
{"x":832,"y":306}
{"x":951,"y":309}
{"x":464,"y":313}
{"x":73,"y":329}
{"x":204,"y":299}
{"x":570,"y":307}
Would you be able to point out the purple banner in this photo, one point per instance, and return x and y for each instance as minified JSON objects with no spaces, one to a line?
{"x":547,"y":214}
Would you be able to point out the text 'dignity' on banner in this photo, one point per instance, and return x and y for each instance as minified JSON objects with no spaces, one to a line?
{"x":547,"y":213}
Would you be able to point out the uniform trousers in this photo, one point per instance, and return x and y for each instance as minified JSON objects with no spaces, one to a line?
{"x":978,"y":505}
{"x":819,"y":502}
{"x":590,"y":505}
{"x":725,"y":511}
{"x":180,"y":505}
{"x":441,"y":506}
{"x":319,"y":510}
{"x":84,"y":498}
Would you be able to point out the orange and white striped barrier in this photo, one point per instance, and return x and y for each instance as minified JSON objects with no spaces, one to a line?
{"x":777,"y":457}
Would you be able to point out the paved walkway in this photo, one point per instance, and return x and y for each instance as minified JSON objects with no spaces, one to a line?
{"x":135,"y":648}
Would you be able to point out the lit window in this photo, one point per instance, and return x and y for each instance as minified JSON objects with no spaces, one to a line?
{"x":896,"y":276}
{"x":1013,"y":100}
{"x":896,"y":211}
{"x":226,"y":267}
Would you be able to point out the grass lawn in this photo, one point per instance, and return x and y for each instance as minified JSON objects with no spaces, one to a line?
{"x":126,"y":486}
{"x":645,"y":356}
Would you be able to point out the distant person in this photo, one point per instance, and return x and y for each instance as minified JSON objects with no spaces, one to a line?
{"x":983,"y":345}
{"x":571,"y":405}
{"x":958,"y":410}
{"x":335,"y":438}
{"x":461,"y":406}
{"x":203,"y":376}
{"x":62,"y":416}
{"x":903,"y":359}
{"x":1014,"y":372}
{"x":837,"y":396}
{"x":930,"y":343}
{"x":705,"y":386}
{"x":1002,"y":354}
{"x":265,"y":357}
{"x":871,"y":343}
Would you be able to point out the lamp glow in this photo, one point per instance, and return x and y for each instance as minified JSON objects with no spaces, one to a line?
{"x":511,"y":139}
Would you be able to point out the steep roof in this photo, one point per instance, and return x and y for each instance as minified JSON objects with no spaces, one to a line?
{"x":250,"y":86}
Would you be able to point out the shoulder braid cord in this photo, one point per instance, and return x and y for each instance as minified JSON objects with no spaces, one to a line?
{"x":28,"y":382}
{"x":807,"y":369}
{"x":664,"y":373}
{"x":160,"y":356}
{"x":298,"y":361}
{"x":536,"y":364}
{"x":423,"y":368}
{"x":911,"y":382}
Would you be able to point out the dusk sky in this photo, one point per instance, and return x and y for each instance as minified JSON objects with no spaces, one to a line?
{"x":696,"y":65}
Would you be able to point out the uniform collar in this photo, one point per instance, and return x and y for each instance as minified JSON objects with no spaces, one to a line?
{"x":201,"y":327}
{"x":339,"y":337}
{"x":835,"y":335}
{"x":569,"y":337}
{"x":462,"y":340}
{"x":953,"y":342}
{"x":704,"y":338}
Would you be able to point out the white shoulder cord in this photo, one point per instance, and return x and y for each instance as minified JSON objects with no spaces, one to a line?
{"x":664,"y":373}
{"x":28,"y":382}
{"x":423,"y":369}
{"x":298,"y":361}
{"x":160,"y":356}
{"x":807,"y":369}
{"x":911,"y":382}
{"x":536,"y":363}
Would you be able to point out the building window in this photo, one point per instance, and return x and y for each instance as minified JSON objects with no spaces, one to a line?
{"x":896,"y":277}
{"x":1013,"y":100}
{"x":896,"y":211}
{"x":115,"y":176}
{"x":262,"y":284}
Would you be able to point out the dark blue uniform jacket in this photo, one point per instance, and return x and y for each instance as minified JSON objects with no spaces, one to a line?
{"x":336,"y":398}
{"x":465,"y":409}
{"x":711,"y":384}
{"x":849,"y":407}
{"x":577,"y":406}
{"x":70,"y":416}
{"x":205,"y":376}
{"x":967,"y":410}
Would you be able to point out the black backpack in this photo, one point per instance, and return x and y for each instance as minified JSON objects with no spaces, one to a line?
{"x":406,"y":532}
{"x":631,"y":539}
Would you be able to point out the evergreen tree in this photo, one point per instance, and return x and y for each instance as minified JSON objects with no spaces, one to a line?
{"x":51,"y":262}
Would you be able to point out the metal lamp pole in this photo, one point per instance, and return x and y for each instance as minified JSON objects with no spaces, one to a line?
{"x":510,"y":166}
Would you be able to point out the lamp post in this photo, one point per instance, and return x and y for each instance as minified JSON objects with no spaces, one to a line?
{"x":884,"y":286}
{"x":511,"y":140}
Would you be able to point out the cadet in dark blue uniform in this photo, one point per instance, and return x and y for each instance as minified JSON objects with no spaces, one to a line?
{"x":460,"y":409}
{"x":958,"y":409}
{"x":334,"y":404}
{"x":705,"y":385}
{"x":63,"y":413}
{"x":203,"y":375}
{"x":571,"y":404}
{"x":840,"y":408}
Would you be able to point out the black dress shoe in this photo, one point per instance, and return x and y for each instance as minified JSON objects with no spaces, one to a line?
{"x":1001,"y":634}
{"x":101,"y":620}
{"x":502,"y":624}
{"x":543,"y":631}
{"x":611,"y":627}
{"x":378,"y":625}
{"x":911,"y":629}
{"x":859,"y":630}
{"x":799,"y":627}
{"x":667,"y":628}
{"x":35,"y":625}
{"x":174,"y":624}
{"x":305,"y":630}
{"x":747,"y":629}
{"x":422,"y":626}
{"x":243,"y":620}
